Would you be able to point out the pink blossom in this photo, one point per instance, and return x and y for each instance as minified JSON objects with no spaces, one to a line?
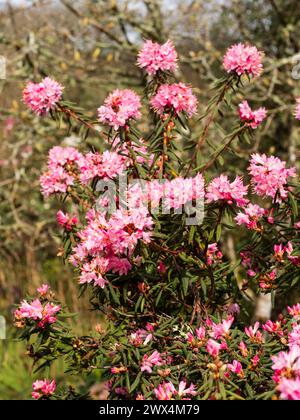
{"x":267,"y":280}
{"x":154,"y":57}
{"x":42,"y":97}
{"x":297,"y":110}
{"x":295,"y":311}
{"x":255,"y":360}
{"x":252,"y":118}
{"x":67,"y":221}
{"x":43,"y":389}
{"x":200,"y":333}
{"x":119,"y":108}
{"x":183,"y":390}
{"x":176,"y":97}
{"x":107,"y":165}
{"x":222,"y":189}
{"x":43,"y":290}
{"x":106,"y":243}
{"x":243,"y":349}
{"x":68,"y":158}
{"x":253,"y":333}
{"x":213,"y":254}
{"x":273,"y":328}
{"x":64,"y":164}
{"x":243,"y":59}
{"x":35,"y":311}
{"x":165,"y":391}
{"x":294,"y":336}
{"x":55,"y":181}
{"x":235,"y":367}
{"x":270,"y":176}
{"x":141,"y":337}
{"x":289,"y":389}
{"x":213,"y":348}
{"x":149,"y":362}
{"x":286,"y":363}
{"x":94,"y":272}
{"x":222,"y":329}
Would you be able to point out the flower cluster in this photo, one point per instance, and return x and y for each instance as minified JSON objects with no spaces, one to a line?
{"x":154,"y":57}
{"x":250,"y":216}
{"x":38,"y":313}
{"x":68,"y":167}
{"x":231,"y":192}
{"x":105,"y":166}
{"x":66,"y":221}
{"x":270,"y":176}
{"x":167,"y":391}
{"x":119,"y":108}
{"x":42,"y":97}
{"x":172,"y":194}
{"x":252,"y":118}
{"x":43,"y":389}
{"x":107,"y":243}
{"x":176,"y":97}
{"x":243,"y":59}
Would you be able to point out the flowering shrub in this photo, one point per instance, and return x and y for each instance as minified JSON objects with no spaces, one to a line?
{"x":152,"y":254}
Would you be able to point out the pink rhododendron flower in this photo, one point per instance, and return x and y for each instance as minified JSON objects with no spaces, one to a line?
{"x":43,"y":290}
{"x":252,"y":118}
{"x":213,"y":348}
{"x":253,"y":333}
{"x":119,"y":108}
{"x":289,"y":389}
{"x":165,"y":391}
{"x":55,"y":181}
{"x":243,"y":59}
{"x":273,"y":328}
{"x":270,"y":176}
{"x":67,"y":221}
{"x":183,"y":390}
{"x":222,"y":189}
{"x":267,"y":280}
{"x":149,"y":362}
{"x":222,"y":329}
{"x":251,"y":216}
{"x":294,"y":336}
{"x":42,"y":97}
{"x":44,"y":315}
{"x":107,"y":165}
{"x":176,"y":97}
{"x":43,"y":389}
{"x":94,"y":272}
{"x":243,"y":349}
{"x":235,"y":367}
{"x":295,"y":311}
{"x":255,"y":360}
{"x":64,"y":164}
{"x":154,"y":57}
{"x":142,"y":336}
{"x":68,"y":158}
{"x":213,"y":254}
{"x":297,"y":110}
{"x":285,"y":363}
{"x":106,"y":243}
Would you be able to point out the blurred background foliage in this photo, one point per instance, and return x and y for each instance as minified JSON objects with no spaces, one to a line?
{"x":90,"y":47}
